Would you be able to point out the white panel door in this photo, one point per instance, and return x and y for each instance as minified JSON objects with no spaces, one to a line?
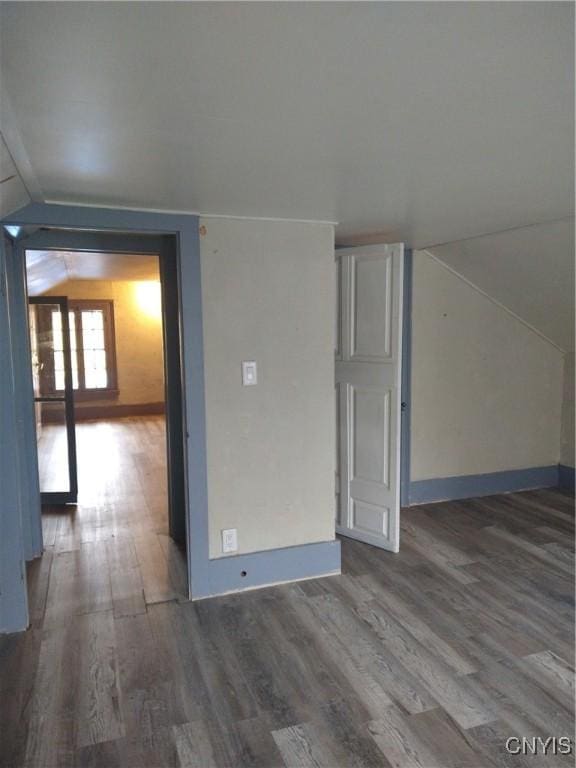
{"x":368,"y":371}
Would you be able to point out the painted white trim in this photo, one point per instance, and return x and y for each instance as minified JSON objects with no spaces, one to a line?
{"x":490,"y":298}
{"x":171,"y":212}
{"x":267,"y":218}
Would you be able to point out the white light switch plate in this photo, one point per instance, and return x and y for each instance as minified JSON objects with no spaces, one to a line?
{"x":249,"y":373}
{"x":229,"y":540}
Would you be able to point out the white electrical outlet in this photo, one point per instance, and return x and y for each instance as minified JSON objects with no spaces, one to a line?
{"x":229,"y":540}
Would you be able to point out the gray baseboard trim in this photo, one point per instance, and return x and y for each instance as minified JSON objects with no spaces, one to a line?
{"x":273,"y":566}
{"x":566,"y":477}
{"x":469,"y":486}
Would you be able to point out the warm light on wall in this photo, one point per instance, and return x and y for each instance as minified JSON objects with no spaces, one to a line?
{"x":148,"y":298}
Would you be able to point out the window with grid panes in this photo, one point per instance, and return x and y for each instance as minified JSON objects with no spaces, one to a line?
{"x":92,"y":348}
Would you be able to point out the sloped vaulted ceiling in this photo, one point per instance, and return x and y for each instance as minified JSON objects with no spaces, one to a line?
{"x":424,"y":122}
{"x":427,"y":122}
{"x":529,"y":270}
{"x":46,"y":269}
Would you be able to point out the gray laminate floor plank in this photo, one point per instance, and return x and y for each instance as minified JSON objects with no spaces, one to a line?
{"x":430,"y":657}
{"x":98,"y":713}
{"x":401,"y":745}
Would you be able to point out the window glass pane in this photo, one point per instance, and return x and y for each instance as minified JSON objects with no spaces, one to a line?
{"x":96,"y":379}
{"x":100,"y":359}
{"x":98,"y":339}
{"x":95,"y":373}
{"x":86,"y":339}
{"x":59,"y":379}
{"x":95,"y":368}
{"x":59,"y":347}
{"x":92,"y":319}
{"x":97,"y":319}
{"x":57,"y":330}
{"x":93,"y":339}
{"x":73,"y":349}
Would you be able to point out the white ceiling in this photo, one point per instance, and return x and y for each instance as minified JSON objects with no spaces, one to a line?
{"x":425,"y":122}
{"x":46,"y":269}
{"x":530,"y":271}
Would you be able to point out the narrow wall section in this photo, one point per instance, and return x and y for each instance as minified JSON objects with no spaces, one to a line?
{"x":13,"y":597}
{"x":268,"y":297}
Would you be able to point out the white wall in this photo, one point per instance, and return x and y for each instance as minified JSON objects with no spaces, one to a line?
{"x":567,"y":445}
{"x":486,"y":389}
{"x":268,"y":295}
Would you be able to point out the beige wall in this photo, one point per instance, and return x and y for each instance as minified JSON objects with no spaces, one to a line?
{"x":268,"y":296}
{"x":486,"y":390}
{"x":567,"y":446}
{"x":138,"y":338}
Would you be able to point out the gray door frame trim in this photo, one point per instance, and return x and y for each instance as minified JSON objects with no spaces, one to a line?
{"x":406,"y":386}
{"x":164,"y":247}
{"x":13,"y":595}
{"x":29,"y":496}
{"x":185,"y":230}
{"x":206,"y":577}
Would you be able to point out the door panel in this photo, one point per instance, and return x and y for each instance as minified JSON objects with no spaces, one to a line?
{"x":338,"y":411}
{"x":370,"y":308}
{"x":370,"y":425}
{"x":338,"y":330}
{"x":54,"y":399}
{"x":369,"y":519}
{"x":368,"y":380}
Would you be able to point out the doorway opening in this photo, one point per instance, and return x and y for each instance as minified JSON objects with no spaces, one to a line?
{"x":106,"y":368}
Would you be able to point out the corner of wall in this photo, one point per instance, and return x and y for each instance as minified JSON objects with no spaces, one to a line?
{"x":568,"y":423}
{"x":486,"y":390}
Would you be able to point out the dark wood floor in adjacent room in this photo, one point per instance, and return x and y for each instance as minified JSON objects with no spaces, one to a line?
{"x":431,"y":658}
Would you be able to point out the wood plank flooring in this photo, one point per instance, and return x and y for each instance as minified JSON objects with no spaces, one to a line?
{"x":431,"y":658}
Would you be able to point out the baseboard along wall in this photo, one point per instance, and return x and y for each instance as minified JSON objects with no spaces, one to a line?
{"x":83,"y":412}
{"x":469,"y":486}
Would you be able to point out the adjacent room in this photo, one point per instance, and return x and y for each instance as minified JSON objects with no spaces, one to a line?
{"x":287,"y":330}
{"x":102,"y":464}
